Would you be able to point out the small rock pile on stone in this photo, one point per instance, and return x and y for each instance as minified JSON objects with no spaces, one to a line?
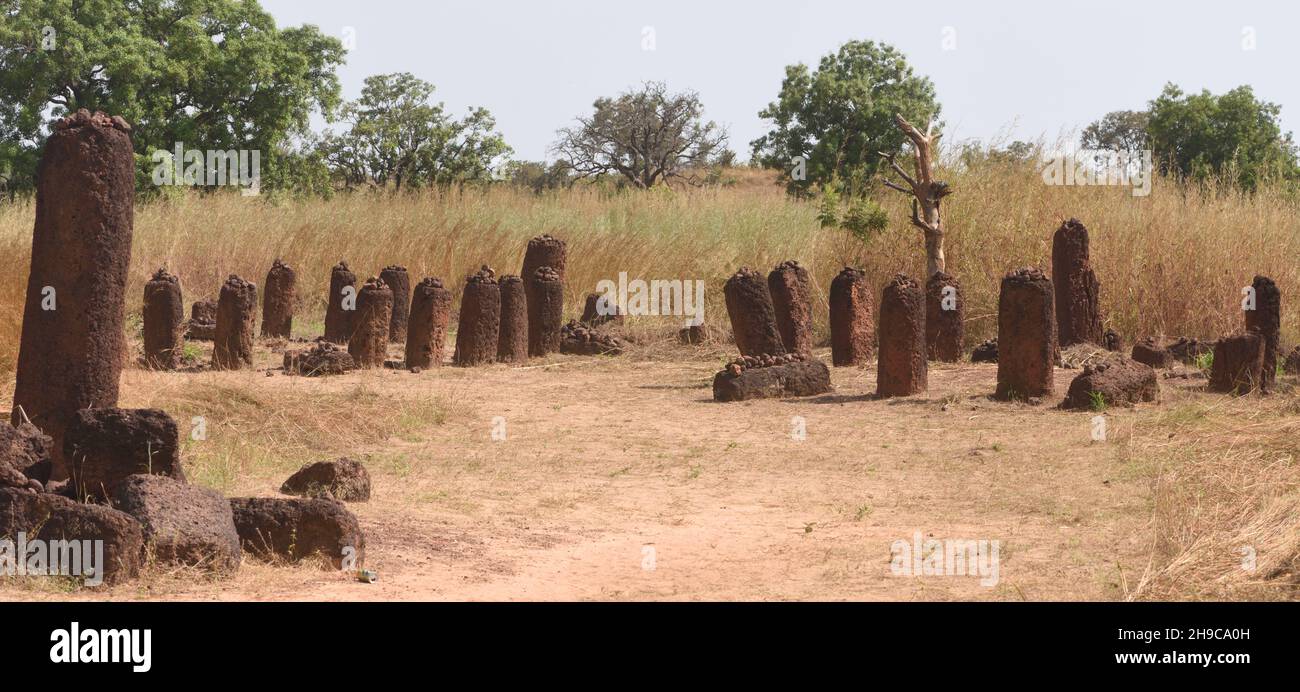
{"x":325,"y":358}
{"x":767,"y":376}
{"x":579,"y":339}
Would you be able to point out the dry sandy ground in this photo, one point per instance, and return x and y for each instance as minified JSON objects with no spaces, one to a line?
{"x":620,"y":479}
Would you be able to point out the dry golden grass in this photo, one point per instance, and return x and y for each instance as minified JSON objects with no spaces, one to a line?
{"x":1173,"y":262}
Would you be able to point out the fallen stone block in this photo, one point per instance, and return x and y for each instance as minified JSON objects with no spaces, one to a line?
{"x":766,"y":377}
{"x":1115,"y":381}
{"x":341,"y":479}
{"x":182,"y":523}
{"x":50,"y":517}
{"x":298,"y":528}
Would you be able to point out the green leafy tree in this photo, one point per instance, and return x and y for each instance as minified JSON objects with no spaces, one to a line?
{"x":836,"y":119}
{"x":1233,"y":136}
{"x":397,"y":135}
{"x":210,"y":74}
{"x":1118,"y":131}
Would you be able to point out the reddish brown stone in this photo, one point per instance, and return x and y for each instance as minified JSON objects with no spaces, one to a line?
{"x":369,"y":343}
{"x":1113,"y":341}
{"x":1150,"y":351}
{"x":695,"y":334}
{"x":299,"y":528}
{"x":278,"y":300}
{"x":341,"y":479}
{"x":480,"y":319}
{"x":753,"y":318}
{"x":853,"y":326}
{"x":902,"y":369}
{"x":592,"y":310}
{"x":543,"y":251}
{"x":426,"y":334}
{"x":203,"y":321}
{"x":50,"y":517}
{"x":1117,"y":380}
{"x":399,"y":282}
{"x":512,"y":339}
{"x":945,"y":316}
{"x":791,"y":290}
{"x":70,"y":357}
{"x":236,"y":315}
{"x":1266,"y":320}
{"x":338,"y":320}
{"x":1078,"y":315}
{"x":325,"y":358}
{"x":545,"y":312}
{"x":1026,"y":335}
{"x":162,"y":316}
{"x":579,"y":339}
{"x":105,"y":445}
{"x":1238,"y":363}
{"x":765,"y":377}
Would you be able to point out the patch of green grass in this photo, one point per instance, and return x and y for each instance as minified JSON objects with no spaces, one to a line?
{"x":1097,"y":401}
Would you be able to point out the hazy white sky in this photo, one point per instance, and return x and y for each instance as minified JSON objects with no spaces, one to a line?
{"x":1019,"y":70}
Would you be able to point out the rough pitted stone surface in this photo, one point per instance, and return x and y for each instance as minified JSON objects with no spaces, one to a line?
{"x":182,"y":523}
{"x":278,"y":299}
{"x":545,"y":311}
{"x":1238,"y":363}
{"x":25,"y":456}
{"x":853,"y":325}
{"x":298,"y":528}
{"x":236,"y":314}
{"x":945,"y":330}
{"x":426,"y":334}
{"x":753,"y":318}
{"x":512,"y":338}
{"x":695,"y":334}
{"x":71,"y":357}
{"x":578,"y":339}
{"x":1026,"y":335}
{"x":50,"y":517}
{"x":545,"y":251}
{"x":1118,"y":380}
{"x":1078,"y":315}
{"x":162,"y":316}
{"x":338,"y":321}
{"x":480,"y":319}
{"x":902,"y":369}
{"x":1292,"y":364}
{"x":1266,"y":320}
{"x":105,"y":445}
{"x":396,"y":278}
{"x":1150,"y":351}
{"x":202,"y":325}
{"x":791,"y":290}
{"x":986,"y":352}
{"x":767,"y":376}
{"x":593,"y":307}
{"x":341,"y":479}
{"x":325,"y":358}
{"x":369,"y":343}
{"x":1112,"y":341}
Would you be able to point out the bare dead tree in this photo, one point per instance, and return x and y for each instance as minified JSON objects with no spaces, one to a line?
{"x":926,"y":192}
{"x":646,"y":136}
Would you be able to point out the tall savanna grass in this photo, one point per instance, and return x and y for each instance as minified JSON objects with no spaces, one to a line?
{"x":1173,"y":262}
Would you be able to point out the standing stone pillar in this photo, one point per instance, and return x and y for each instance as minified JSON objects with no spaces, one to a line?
{"x":1078,"y":315}
{"x":543,"y":251}
{"x":1238,"y":366}
{"x":1026,"y":335}
{"x":512,"y":341}
{"x":338,"y":319}
{"x":1266,"y":320}
{"x":853,"y":325}
{"x":71,"y":350}
{"x":753,"y":318}
{"x":480,"y":319}
{"x":902,"y":369}
{"x":545,"y":312}
{"x":791,"y":291}
{"x":278,"y":299}
{"x":399,"y":282}
{"x":163,"y":314}
{"x":369,"y":343}
{"x":236,"y":317}
{"x":426,"y":333}
{"x":945,"y":314}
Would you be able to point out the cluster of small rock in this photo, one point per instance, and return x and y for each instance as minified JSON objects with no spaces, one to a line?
{"x":579,"y":339}
{"x":325,"y":358}
{"x":84,"y":117}
{"x":743,"y":363}
{"x":485,"y":275}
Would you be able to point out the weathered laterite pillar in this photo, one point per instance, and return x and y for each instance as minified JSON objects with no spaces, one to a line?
{"x":480,"y":319}
{"x":591,"y":311}
{"x":399,"y":282}
{"x":369,"y":343}
{"x":1026,"y":335}
{"x":791,"y":292}
{"x":338,"y":321}
{"x":512,"y":340}
{"x":1266,"y":320}
{"x":853,"y":325}
{"x":203,"y":320}
{"x":1078,"y":312}
{"x":543,"y":251}
{"x":163,"y":313}
{"x":902,"y":369}
{"x":72,"y":346}
{"x":278,"y":299}
{"x":753,"y":318}
{"x":426,"y":333}
{"x":945,"y":314}
{"x":545,"y":311}
{"x":236,"y":314}
{"x":1238,"y":363}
